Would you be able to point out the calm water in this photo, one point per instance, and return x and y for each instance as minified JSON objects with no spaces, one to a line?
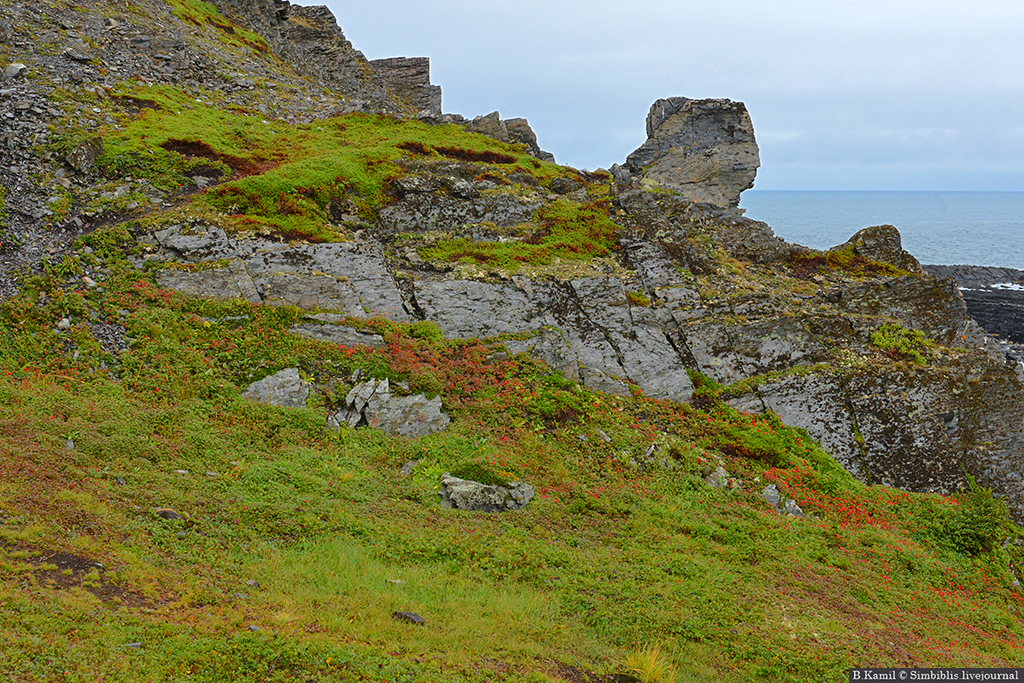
{"x":976,"y":228}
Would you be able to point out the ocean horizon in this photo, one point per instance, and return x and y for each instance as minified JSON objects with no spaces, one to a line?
{"x":949,"y":228}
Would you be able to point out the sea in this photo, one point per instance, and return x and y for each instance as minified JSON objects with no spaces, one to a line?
{"x":941,"y":228}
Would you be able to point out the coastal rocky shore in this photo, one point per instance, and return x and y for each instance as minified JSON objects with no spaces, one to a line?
{"x":995,"y":300}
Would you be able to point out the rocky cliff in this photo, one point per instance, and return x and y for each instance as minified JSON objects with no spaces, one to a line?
{"x":645,"y":279}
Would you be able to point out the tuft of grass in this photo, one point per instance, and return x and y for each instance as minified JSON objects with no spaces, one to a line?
{"x":650,"y":665}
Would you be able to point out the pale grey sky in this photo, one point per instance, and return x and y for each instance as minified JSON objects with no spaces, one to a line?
{"x":849,"y":94}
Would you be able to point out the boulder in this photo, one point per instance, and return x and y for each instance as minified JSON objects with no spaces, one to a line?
{"x":14,"y":70}
{"x":463,"y":494}
{"x":83,"y":157}
{"x":787,"y":506}
{"x":718,"y":479}
{"x":409,"y":618}
{"x":285,"y":388}
{"x":704,"y":149}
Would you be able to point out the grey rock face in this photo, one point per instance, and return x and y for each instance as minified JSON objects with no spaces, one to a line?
{"x":462,"y":494}
{"x":327,"y":329}
{"x":704,"y":149}
{"x":349,"y":277}
{"x":408,"y":79}
{"x":419,"y":212}
{"x":285,"y":388}
{"x":601,"y":338}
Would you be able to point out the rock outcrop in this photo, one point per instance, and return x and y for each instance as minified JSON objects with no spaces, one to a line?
{"x":371,"y":404}
{"x":310,"y":39}
{"x":463,"y":494}
{"x":881,"y":243}
{"x":346,"y":277}
{"x":408,"y":79}
{"x":704,"y":149}
{"x":509,"y":130}
{"x":285,"y":388}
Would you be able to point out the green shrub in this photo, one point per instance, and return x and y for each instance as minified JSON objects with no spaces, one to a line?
{"x":425,"y":381}
{"x":902,"y":343}
{"x":426,"y":330}
{"x":978,"y":523}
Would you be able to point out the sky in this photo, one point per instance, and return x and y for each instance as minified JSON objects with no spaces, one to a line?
{"x":844,"y":95}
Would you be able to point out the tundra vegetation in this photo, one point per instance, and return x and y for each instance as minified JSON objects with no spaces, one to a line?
{"x":626,"y":559}
{"x":291,"y":545}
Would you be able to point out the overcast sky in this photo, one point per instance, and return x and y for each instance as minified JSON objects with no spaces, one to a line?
{"x":844,"y":95}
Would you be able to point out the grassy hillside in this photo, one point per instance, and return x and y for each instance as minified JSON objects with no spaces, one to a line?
{"x":300,"y":542}
{"x":121,"y":403}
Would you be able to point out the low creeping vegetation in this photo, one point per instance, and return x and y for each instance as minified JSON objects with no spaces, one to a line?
{"x":902,"y":343}
{"x":296,"y":543}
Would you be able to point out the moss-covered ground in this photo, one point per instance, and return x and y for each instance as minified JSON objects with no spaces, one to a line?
{"x":299,"y":543}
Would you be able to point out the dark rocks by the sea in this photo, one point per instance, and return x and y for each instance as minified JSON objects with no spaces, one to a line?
{"x":995,"y":299}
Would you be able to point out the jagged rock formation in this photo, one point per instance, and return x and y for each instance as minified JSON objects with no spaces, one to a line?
{"x":371,"y":404}
{"x":408,"y":79}
{"x":508,"y":130}
{"x":310,"y":39}
{"x":705,"y":149}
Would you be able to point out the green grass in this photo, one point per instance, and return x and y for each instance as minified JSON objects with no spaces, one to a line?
{"x":565,"y":229}
{"x":202,"y":14}
{"x":619,"y":562}
{"x":290,"y":180}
